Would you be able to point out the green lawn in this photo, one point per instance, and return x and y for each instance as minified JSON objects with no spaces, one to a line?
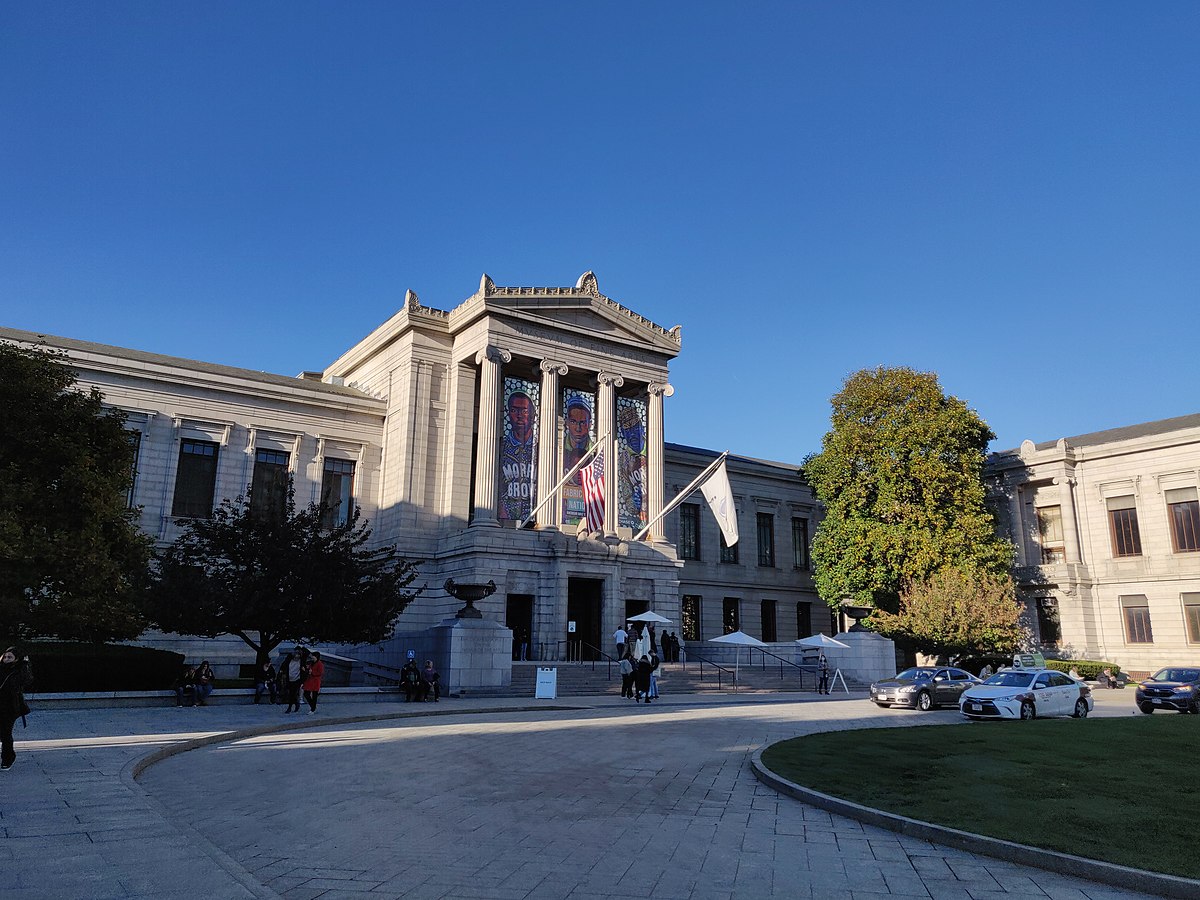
{"x":1120,"y":790}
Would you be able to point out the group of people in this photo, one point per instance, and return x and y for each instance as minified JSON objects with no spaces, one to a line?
{"x":638,"y":659}
{"x":639,"y":678}
{"x":301,"y":672}
{"x":194,"y":683}
{"x":420,"y":684}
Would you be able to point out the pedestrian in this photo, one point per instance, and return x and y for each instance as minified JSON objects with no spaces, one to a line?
{"x":626,"y":667}
{"x":986,"y":672}
{"x":312,"y":682}
{"x":653,"y":643}
{"x":185,"y":685}
{"x":642,"y":678}
{"x":523,"y":639}
{"x":823,"y":672}
{"x":264,"y":681}
{"x":652,"y":694}
{"x":431,"y":682}
{"x":15,"y":675}
{"x":204,"y":683}
{"x":410,"y":681}
{"x":293,"y":669}
{"x":620,"y":636}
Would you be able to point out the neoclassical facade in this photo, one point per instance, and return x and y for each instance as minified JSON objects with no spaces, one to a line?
{"x":452,"y":430}
{"x":1107,"y":532}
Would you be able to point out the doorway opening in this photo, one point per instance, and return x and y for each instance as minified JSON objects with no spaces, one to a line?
{"x":518,"y":616}
{"x":584,"y":604}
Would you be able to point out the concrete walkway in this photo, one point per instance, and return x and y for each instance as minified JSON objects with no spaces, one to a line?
{"x":487,"y":798}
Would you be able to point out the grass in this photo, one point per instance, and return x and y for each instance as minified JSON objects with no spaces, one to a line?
{"x":1118,"y":790}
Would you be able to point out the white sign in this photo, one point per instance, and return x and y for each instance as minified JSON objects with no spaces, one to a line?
{"x":547,"y":685}
{"x":571,"y":627}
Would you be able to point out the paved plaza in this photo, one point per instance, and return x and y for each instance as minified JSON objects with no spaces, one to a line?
{"x":507,"y":799}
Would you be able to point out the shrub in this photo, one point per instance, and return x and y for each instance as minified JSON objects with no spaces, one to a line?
{"x":1088,"y":669}
{"x":67,"y":666}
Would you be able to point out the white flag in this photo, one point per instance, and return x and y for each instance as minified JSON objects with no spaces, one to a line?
{"x":717,"y":492}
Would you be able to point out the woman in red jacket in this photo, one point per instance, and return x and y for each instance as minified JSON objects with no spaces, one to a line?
{"x":312,"y":684}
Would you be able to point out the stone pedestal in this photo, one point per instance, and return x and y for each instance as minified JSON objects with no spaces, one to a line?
{"x":870,"y":656}
{"x":472,"y":654}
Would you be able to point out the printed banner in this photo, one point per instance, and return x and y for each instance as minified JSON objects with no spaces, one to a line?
{"x":578,"y":434}
{"x":632,"y":462}
{"x":518,"y":449}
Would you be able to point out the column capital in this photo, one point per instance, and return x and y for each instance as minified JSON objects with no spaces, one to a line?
{"x":660,"y":389}
{"x":495,"y":354}
{"x":553,"y":367}
{"x":610,"y":379}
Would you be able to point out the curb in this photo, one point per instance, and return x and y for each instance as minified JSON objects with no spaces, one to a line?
{"x":1061,"y":863}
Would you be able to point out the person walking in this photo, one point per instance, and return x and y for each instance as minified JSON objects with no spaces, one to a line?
{"x":823,"y":673}
{"x":312,"y":682}
{"x":293,"y":669}
{"x":644,"y":668}
{"x":264,"y":681}
{"x":620,"y":636}
{"x":626,"y":667}
{"x":15,"y":675}
{"x":652,"y":694}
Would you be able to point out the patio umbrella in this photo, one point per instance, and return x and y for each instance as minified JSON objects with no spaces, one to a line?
{"x":821,"y":640}
{"x":740,"y":638}
{"x":649,"y":616}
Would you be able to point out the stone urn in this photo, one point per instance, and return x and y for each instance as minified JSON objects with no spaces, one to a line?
{"x":857,"y":613}
{"x":469,"y":593}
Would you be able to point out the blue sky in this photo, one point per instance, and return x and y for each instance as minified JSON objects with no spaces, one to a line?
{"x":1005,"y":194}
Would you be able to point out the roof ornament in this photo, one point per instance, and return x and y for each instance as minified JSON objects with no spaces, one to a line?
{"x":486,"y":285}
{"x":411,"y":302}
{"x":587,"y":283}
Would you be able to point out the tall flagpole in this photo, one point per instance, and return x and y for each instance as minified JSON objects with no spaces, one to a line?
{"x":683,"y":495}
{"x":575,"y":468}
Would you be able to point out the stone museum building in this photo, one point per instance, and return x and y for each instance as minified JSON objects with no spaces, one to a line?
{"x":451,"y":429}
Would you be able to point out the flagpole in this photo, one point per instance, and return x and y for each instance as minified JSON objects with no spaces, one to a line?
{"x":575,"y":468}
{"x":682,"y":495}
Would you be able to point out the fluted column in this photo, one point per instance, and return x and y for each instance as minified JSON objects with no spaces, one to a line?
{"x":550,"y":515}
{"x":655,"y":456}
{"x":605,"y":425}
{"x":1066,"y":494}
{"x":1012,"y":493}
{"x":489,"y":360}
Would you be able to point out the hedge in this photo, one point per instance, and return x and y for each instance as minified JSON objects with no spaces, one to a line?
{"x":1088,"y":669}
{"x":68,"y":666}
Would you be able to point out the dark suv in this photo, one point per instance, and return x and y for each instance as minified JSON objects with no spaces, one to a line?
{"x":1173,"y":688}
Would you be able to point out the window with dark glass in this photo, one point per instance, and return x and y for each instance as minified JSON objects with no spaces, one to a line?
{"x":800,"y":543}
{"x":1123,"y":524}
{"x":728,"y":554}
{"x":768,"y":621}
{"x":690,"y":614}
{"x":689,"y":531}
{"x":766,"y":539}
{"x":269,"y":486}
{"x":135,"y":441}
{"x":1050,"y":534}
{"x":195,"y":480}
{"x":803,"y":620}
{"x":1136,"y":611}
{"x":1047,"y":616}
{"x":1184,"y":509}
{"x":731,"y":616}
{"x":337,"y":492}
{"x":1191,"y":617}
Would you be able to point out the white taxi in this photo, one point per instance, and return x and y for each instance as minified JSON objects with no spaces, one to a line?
{"x":1027,"y":694}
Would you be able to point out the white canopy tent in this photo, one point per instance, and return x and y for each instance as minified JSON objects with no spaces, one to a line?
{"x":741,"y":639}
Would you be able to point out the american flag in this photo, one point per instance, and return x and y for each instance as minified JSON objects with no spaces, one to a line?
{"x":593,"y":492}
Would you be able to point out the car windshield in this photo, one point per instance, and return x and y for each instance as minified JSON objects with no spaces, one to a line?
{"x":1010,"y":679}
{"x":915,"y":674}
{"x":1177,"y":675}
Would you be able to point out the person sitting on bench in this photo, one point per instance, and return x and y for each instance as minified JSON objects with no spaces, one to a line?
{"x":431,"y":682}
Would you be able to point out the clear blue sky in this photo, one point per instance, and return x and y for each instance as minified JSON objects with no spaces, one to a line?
{"x":1004,"y":193}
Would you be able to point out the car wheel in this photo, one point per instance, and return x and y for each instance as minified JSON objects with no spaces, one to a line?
{"x":924,"y":701}
{"x":1081,"y":709}
{"x":1027,"y":711}
{"x":1146,"y":708}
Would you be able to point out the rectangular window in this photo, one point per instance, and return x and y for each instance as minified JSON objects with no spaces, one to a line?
{"x":1136,"y":611}
{"x":135,"y":441}
{"x":800,"y":543}
{"x":728,"y":554}
{"x":766,"y":539}
{"x":1049,"y":629}
{"x":269,"y":487}
{"x":337,"y":492}
{"x":1050,"y":533}
{"x":196,"y":479}
{"x":690,"y":614}
{"x":1191,"y":617}
{"x":731,"y":615}
{"x":689,"y":531}
{"x":1123,"y":524}
{"x":1184,"y":510}
{"x":768,"y":621}
{"x":803,"y":620}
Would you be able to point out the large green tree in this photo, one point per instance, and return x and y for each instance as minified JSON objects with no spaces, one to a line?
{"x":267,"y":577}
{"x":900,"y":475}
{"x":73,"y":562}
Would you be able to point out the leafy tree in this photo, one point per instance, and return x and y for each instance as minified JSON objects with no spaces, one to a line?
{"x":270,"y":577}
{"x":900,"y":474}
{"x":955,"y":612}
{"x":73,"y":562}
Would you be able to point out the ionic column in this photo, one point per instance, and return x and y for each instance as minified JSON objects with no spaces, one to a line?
{"x":550,"y":515}
{"x":606,"y":422}
{"x":1013,"y":493}
{"x":1066,"y":495}
{"x":489,"y":360}
{"x":655,"y":457}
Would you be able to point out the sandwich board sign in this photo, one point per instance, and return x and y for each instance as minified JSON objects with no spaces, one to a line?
{"x":546,"y":687}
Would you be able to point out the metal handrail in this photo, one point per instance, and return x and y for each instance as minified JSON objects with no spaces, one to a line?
{"x":783,"y":661}
{"x":574,"y":654}
{"x":703,"y":661}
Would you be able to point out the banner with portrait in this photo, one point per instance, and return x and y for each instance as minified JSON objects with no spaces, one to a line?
{"x":579,"y":431}
{"x":518,"y":449}
{"x":632,"y":462}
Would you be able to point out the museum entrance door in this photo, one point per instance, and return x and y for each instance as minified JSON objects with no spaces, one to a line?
{"x":518,"y":615}
{"x":584,"y":602}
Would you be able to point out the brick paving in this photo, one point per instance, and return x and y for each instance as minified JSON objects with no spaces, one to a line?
{"x":482,"y":801}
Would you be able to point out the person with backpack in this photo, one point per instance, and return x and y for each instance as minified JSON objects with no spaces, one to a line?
{"x":15,"y":675}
